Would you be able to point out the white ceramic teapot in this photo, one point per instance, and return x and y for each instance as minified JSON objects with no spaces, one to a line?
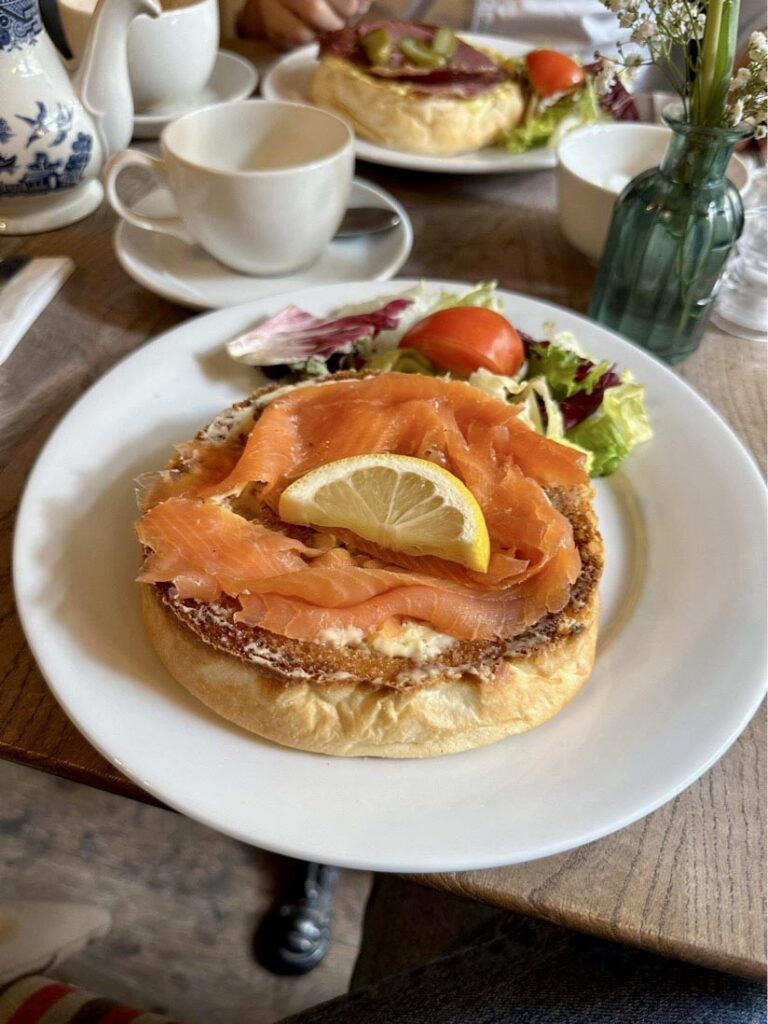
{"x":56,"y":132}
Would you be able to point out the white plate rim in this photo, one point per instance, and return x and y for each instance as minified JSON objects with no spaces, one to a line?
{"x":135,"y":268}
{"x":540,"y":159}
{"x":438,"y":862}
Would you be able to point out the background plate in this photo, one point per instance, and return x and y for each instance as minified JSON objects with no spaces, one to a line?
{"x":679,"y":673}
{"x":289,"y":79}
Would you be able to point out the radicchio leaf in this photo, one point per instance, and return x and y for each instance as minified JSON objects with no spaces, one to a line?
{"x":616,"y":101}
{"x":583,"y":401}
{"x":579,"y":406}
{"x":294,"y":335}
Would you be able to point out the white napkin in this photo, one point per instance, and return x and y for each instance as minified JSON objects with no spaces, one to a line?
{"x":25,"y":296}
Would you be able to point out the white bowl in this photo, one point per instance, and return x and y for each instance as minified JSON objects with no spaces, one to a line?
{"x":594,"y":165}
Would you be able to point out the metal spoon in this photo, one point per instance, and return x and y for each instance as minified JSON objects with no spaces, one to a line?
{"x":366,"y":220}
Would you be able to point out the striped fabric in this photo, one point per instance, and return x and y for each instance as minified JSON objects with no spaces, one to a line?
{"x":36,"y":1000}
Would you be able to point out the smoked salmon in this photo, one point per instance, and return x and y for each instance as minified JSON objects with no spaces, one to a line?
{"x":197,"y":541}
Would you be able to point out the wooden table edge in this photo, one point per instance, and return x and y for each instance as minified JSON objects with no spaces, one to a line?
{"x":755,"y":970}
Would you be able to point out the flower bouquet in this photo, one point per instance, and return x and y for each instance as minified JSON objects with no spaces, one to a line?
{"x":673,"y":226}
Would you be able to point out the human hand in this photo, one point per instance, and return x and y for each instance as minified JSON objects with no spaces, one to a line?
{"x":289,"y":23}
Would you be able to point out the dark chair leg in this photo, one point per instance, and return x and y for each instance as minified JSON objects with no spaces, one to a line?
{"x":295,"y":935}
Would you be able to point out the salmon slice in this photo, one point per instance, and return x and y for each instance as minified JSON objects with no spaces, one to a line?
{"x":203,"y":465}
{"x":206,"y":550}
{"x":302,"y":604}
{"x":282,"y":585}
{"x":394,"y":412}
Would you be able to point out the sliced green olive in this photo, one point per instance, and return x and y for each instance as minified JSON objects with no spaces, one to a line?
{"x":419,"y":54}
{"x":378,"y":46}
{"x":444,"y":43}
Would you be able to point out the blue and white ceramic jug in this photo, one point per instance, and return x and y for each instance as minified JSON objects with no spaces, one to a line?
{"x":55,"y":133}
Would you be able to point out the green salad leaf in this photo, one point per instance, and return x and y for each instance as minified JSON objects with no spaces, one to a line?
{"x":619,"y":424}
{"x":402,"y":360}
{"x":560,"y":366}
{"x":548,"y":126}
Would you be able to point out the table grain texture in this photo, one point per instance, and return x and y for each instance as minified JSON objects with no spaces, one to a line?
{"x":689,"y":879}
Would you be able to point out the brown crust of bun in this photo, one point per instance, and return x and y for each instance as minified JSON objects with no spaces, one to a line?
{"x":398,"y":116}
{"x":351,"y":719}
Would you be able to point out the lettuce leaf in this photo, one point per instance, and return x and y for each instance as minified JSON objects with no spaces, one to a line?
{"x":567,"y":372}
{"x":612,"y":432}
{"x":547,"y":127}
{"x":577,"y":383}
{"x":402,"y":360}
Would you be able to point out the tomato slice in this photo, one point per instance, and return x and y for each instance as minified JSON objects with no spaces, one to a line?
{"x":551,"y":72}
{"x":465,"y":338}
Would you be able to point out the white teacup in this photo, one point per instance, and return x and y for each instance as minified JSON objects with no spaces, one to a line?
{"x":261,"y":185}
{"x":170,"y":58}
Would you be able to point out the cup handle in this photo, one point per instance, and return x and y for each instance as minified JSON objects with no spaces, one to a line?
{"x":113,"y":168}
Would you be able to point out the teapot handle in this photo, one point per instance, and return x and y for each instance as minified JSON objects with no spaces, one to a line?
{"x":134,"y":158}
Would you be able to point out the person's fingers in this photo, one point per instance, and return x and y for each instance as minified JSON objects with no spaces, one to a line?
{"x":317,"y":14}
{"x":288,"y":23}
{"x":345,"y":9}
{"x":282,"y":27}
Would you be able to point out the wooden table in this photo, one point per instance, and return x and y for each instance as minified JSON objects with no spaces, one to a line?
{"x":687,"y":880}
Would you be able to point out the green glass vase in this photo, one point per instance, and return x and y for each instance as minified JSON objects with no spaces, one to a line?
{"x":672,"y":229}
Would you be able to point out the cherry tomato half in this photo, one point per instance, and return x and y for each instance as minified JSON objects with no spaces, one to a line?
{"x":551,"y":72}
{"x":465,"y":338}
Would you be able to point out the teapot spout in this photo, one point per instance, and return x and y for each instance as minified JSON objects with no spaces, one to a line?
{"x":101,"y":82}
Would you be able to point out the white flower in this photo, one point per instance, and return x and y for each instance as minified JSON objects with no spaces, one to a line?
{"x":627,"y":18}
{"x":643,"y":31}
{"x":741,"y":79}
{"x":758,"y":45}
{"x":737,"y":111}
{"x":699,"y":25}
{"x":605,"y":77}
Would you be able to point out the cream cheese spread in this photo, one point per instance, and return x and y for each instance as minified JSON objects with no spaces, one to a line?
{"x":414,"y":641}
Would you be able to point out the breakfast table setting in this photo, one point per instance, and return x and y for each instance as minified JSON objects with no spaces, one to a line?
{"x":637,"y":815}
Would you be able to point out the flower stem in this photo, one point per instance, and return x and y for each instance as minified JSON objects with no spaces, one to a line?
{"x":717,"y":54}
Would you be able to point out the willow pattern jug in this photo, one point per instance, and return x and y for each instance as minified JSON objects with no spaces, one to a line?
{"x":56,"y":132}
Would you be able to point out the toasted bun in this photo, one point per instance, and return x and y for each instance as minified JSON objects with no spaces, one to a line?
{"x":356,"y":702}
{"x":359,"y":719}
{"x":394,"y":114}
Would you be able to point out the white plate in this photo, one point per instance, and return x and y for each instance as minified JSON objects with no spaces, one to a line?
{"x":186,"y":274}
{"x":679,"y":673}
{"x":232,"y":78}
{"x":289,"y":79}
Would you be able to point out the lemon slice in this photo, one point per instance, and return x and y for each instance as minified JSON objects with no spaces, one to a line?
{"x":396,"y":501}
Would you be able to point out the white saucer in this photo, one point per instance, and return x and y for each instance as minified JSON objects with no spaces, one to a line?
{"x":232,"y":78}
{"x":186,"y":274}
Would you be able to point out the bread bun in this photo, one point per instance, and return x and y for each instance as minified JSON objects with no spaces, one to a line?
{"x":358,"y":701}
{"x":397,"y":115}
{"x":357,"y":719}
